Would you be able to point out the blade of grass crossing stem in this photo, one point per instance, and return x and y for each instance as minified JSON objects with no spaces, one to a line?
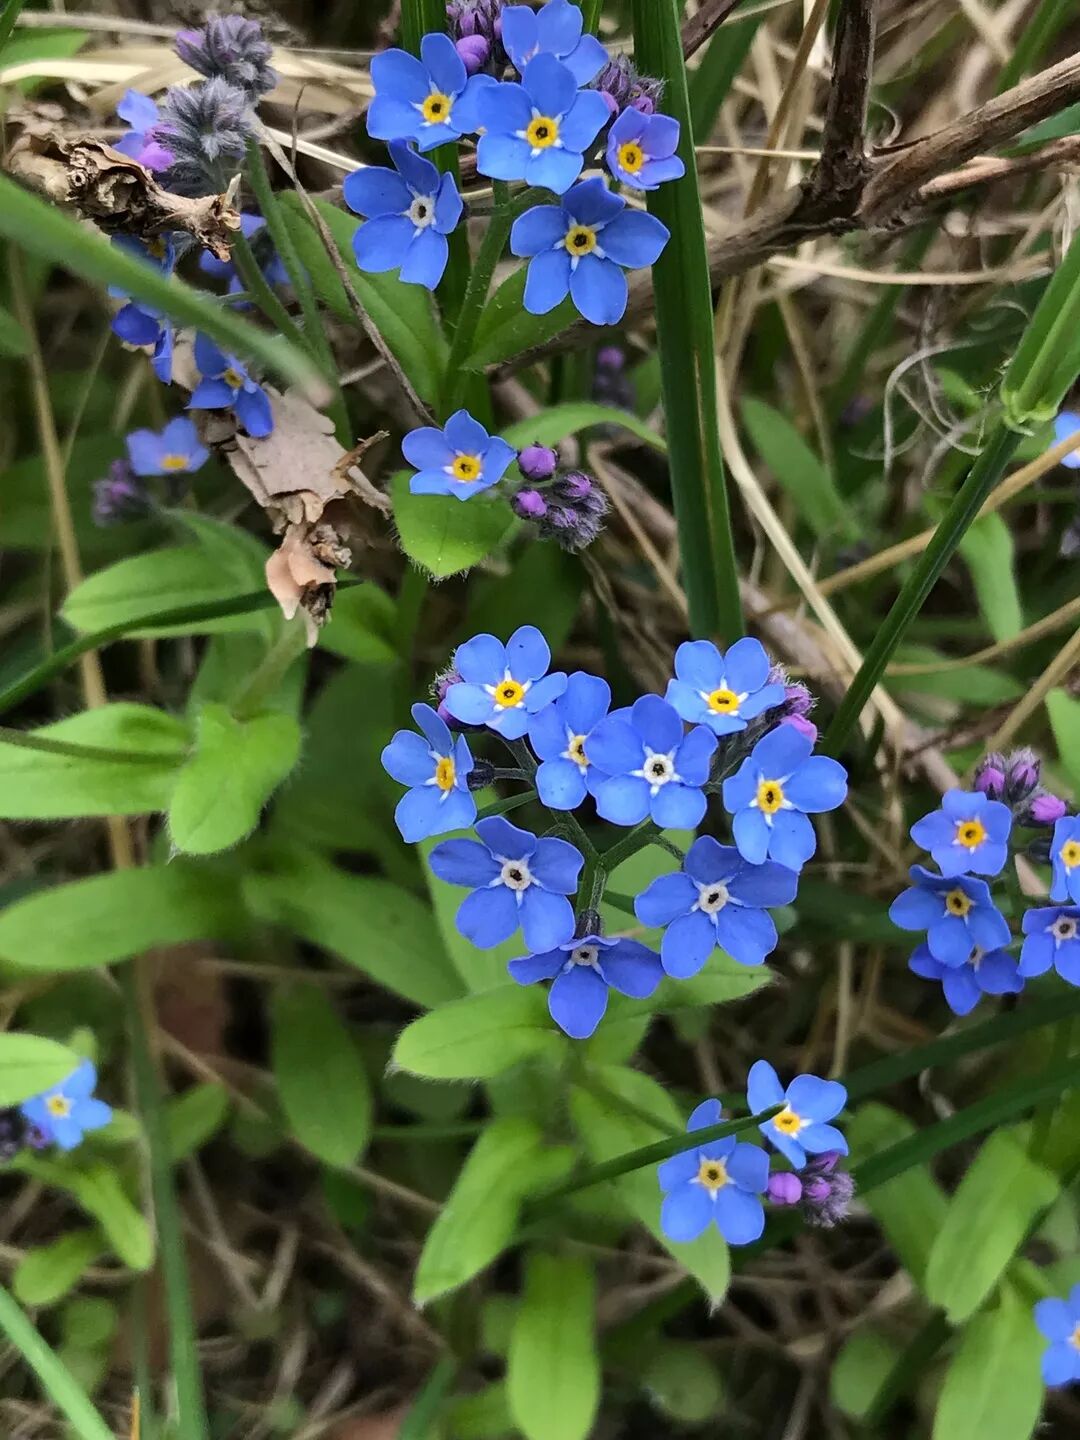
{"x":687,"y":356}
{"x":56,"y":1380}
{"x":40,"y":229}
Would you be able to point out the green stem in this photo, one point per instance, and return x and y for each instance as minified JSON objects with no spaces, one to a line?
{"x":591,"y":10}
{"x":420,"y":1421}
{"x":262,"y":292}
{"x":56,"y":1379}
{"x":638,"y":838}
{"x":12,"y":11}
{"x":272,"y":669}
{"x":43,"y":743}
{"x":1060,"y":1045}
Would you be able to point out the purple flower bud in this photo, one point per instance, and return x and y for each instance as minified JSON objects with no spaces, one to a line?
{"x":529,"y":505}
{"x":802,"y":725}
{"x":1022,"y":770}
{"x":538,"y":462}
{"x":475,"y":52}
{"x":797,"y":700}
{"x":827,"y":1191}
{"x":784,"y":1188}
{"x":573,"y":486}
{"x":1046,"y":809}
{"x":611,"y":358}
{"x":990,"y":775}
{"x":645,"y":103}
{"x":232,"y":48}
{"x":207,"y":128}
{"x":478,"y":20}
{"x":120,"y":497}
{"x":439,"y":686}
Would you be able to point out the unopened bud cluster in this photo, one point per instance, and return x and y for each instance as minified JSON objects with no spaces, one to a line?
{"x":568,"y":507}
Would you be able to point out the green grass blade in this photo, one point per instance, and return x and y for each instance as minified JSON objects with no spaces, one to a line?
{"x":1034,"y":39}
{"x":56,"y":1380}
{"x":713,"y":78}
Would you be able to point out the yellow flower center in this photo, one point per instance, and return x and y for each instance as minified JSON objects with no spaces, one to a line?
{"x":174,"y":462}
{"x":466,"y":468}
{"x":543,"y":132}
{"x":1070,"y":854}
{"x":233,"y":379}
{"x":1074,"y":1338}
{"x":723,"y":701}
{"x":576,"y":751}
{"x":58,"y":1105}
{"x":957,"y":903}
{"x":970,"y":834}
{"x":509,"y":694}
{"x":787,"y":1122}
{"x":713,"y":1175}
{"x":631,"y":157}
{"x":770,"y":796}
{"x":156,"y":248}
{"x":436,"y":107}
{"x":445,"y":774}
{"x":580,"y":240}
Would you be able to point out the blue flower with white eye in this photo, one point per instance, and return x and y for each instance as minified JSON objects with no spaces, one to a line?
{"x":227,"y":385}
{"x":722,"y":691}
{"x":1067,"y":424}
{"x":553,"y":30}
{"x":515,"y":880}
{"x":65,"y":1113}
{"x":410,"y":211}
{"x":559,"y":735}
{"x":539,"y":130}
{"x":957,"y":914}
{"x":984,"y":972}
{"x":141,"y":115}
{"x":770,"y":795}
{"x":969,"y":833}
{"x":582,"y":971}
{"x":176,"y":450}
{"x":138,"y":325}
{"x":800,"y":1128}
{"x":653,"y":768}
{"x":436,"y":768}
{"x":1059,"y":1321}
{"x":1052,"y":938}
{"x":720,"y":1182}
{"x":1065,"y":859}
{"x":581,"y":248}
{"x":641,"y":149}
{"x":461,"y":460}
{"x":717,"y":899}
{"x":502,"y":686}
{"x":431,"y":100}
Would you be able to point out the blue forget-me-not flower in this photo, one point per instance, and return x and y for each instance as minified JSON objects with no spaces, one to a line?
{"x":559,"y":735}
{"x":984,"y":972}
{"x":641,"y":149}
{"x":1065,"y":859}
{"x":271,"y":264}
{"x":717,"y":899}
{"x":1066,"y":424}
{"x":770,"y":795}
{"x":461,"y":460}
{"x":176,"y":450}
{"x":65,"y":1113}
{"x":141,"y":115}
{"x":515,"y":880}
{"x":553,"y":30}
{"x":720,"y":1182}
{"x":1052,"y":937}
{"x":969,"y":833}
{"x":800,"y":1129}
{"x":582,"y":971}
{"x":653,"y":767}
{"x":225,"y":385}
{"x":432,"y":100}
{"x":581,"y":247}
{"x":436,"y":768}
{"x":956,"y":912}
{"x":722,"y":691}
{"x":1059,"y":1321}
{"x":539,"y":130}
{"x":502,"y":686}
{"x":137,"y":324}
{"x":410,"y":211}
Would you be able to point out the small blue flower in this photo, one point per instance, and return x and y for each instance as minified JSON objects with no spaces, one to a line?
{"x":581,"y":247}
{"x":1067,"y":424}
{"x":800,"y":1129}
{"x":583,"y":970}
{"x":501,"y":686}
{"x":1053,"y":938}
{"x":141,"y":115}
{"x":1065,"y":859}
{"x":539,"y":130}
{"x":431,"y":100}
{"x":227,"y":385}
{"x":1059,"y":1321}
{"x":770,"y":795}
{"x":958,"y":915}
{"x":554,"y":30}
{"x":176,"y":450}
{"x":720,"y":1182}
{"x":460,"y":460}
{"x":274,"y":272}
{"x":641,"y":149}
{"x":515,"y":879}
{"x":969,"y":833}
{"x":717,"y":899}
{"x":984,"y":972}
{"x":722,"y":691}
{"x":138,"y":325}
{"x":410,"y":211}
{"x":559,"y":734}
{"x":652,"y":767}
{"x":436,"y":768}
{"x":65,"y":1113}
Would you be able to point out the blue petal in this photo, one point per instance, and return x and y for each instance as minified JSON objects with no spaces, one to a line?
{"x":80,"y":1083}
{"x":698,"y":662}
{"x":763,"y":1088}
{"x":503,"y":110}
{"x":748,"y":1167}
{"x":1066,"y":424}
{"x":419,"y":814}
{"x":427,"y":448}
{"x":781,"y":752}
{"x":657,"y":723}
{"x":915,"y":909}
{"x":253,"y":410}
{"x":686,"y":1213}
{"x":998,"y":975}
{"x":545,"y":692}
{"x":632,"y":969}
{"x":584,"y":120}
{"x":464,"y":862}
{"x":707,"y":861}
{"x":520,"y":34}
{"x":597,"y":287}
{"x":586,"y":60}
{"x":211,"y":395}
{"x":448,"y":205}
{"x":1061,"y":1364}
{"x":747,"y":935}
{"x":554,"y":169}
{"x":466,"y":435}
{"x":93,"y":1114}
{"x":678,"y":807}
{"x":527,"y":654}
{"x":815,"y":1099}
{"x":687,"y":945}
{"x":661,"y":137}
{"x":557,"y":865}
{"x":541,"y":228}
{"x":558,"y":27}
{"x":381,"y":244}
{"x":420,"y":176}
{"x":786,"y":1144}
{"x":550,"y":86}
{"x":145,"y":450}
{"x":1055,"y":1319}
{"x":402,"y":74}
{"x":678,"y":1169}
{"x":577,"y":1001}
{"x":586,"y":701}
{"x":694,"y":755}
{"x":389,"y":118}
{"x":635,"y":239}
{"x":529,"y":969}
{"x":560,"y":783}
{"x":949,"y":940}
{"x":988,"y":927}
{"x":1036,"y":955}
{"x":408,"y":759}
{"x":615,"y":747}
{"x":488,"y":917}
{"x":465,"y":118}
{"x":457,"y":811}
{"x":623,"y":800}
{"x":209,"y":359}
{"x":819,"y":784}
{"x":511,"y":724}
{"x":692,"y":708}
{"x":377,"y":190}
{"x":481,"y":660}
{"x":547,"y":283}
{"x":793,"y":840}
{"x":752,"y":835}
{"x":502,"y":156}
{"x":444,"y":64}
{"x":741,"y":1217}
{"x":923,"y":963}
{"x":746,"y":665}
{"x":592,"y":203}
{"x":739,"y":789}
{"x":137,"y":327}
{"x":820,"y":1139}
{"x":140,"y":112}
{"x":425,"y":259}
{"x":709,"y":1112}
{"x":763,"y":885}
{"x":667,"y":897}
{"x":546,"y":919}
{"x":506,"y":840}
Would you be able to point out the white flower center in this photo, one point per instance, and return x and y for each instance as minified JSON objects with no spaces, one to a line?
{"x":658,"y":769}
{"x":1064,"y":928}
{"x":585,"y":955}
{"x":975,"y":959}
{"x":515,"y":875}
{"x":712,"y":898}
{"x":422,"y":211}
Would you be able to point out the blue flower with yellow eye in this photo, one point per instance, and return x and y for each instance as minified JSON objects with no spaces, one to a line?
{"x":653,"y":767}
{"x":773,"y":791}
{"x":410,"y":211}
{"x":436,"y":769}
{"x":957,"y":914}
{"x":984,"y":972}
{"x":539,"y":130}
{"x":65,"y":1113}
{"x":722,"y":691}
{"x":226,"y":385}
{"x":719,"y":1183}
{"x":559,"y":734}
{"x":641,"y":149}
{"x":461,"y":459}
{"x":1059,"y":1321}
{"x":432,"y":100}
{"x":503,"y":686}
{"x":1052,"y":937}
{"x":1065,"y":859}
{"x":969,"y":833}
{"x":583,"y":970}
{"x":176,"y":450}
{"x":801,"y":1128}
{"x":556,"y":29}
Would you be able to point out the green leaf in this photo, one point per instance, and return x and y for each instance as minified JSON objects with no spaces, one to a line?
{"x":236,"y":767}
{"x":988,"y":552}
{"x":1064,"y":712}
{"x":111,"y":917}
{"x":506,"y":329}
{"x":322,"y":1084}
{"x":483,"y":1415}
{"x":553,"y":1370}
{"x":559,"y":422}
{"x":13,"y":341}
{"x":30,"y":1064}
{"x":981,"y":685}
{"x":96,"y":1187}
{"x":194,"y":1118}
{"x":47,"y":1273}
{"x":444,"y":535}
{"x":800,"y":472}
{"x":910,"y":1209}
{"x":361,"y":626}
{"x":479,"y":1036}
{"x":865,"y":1361}
{"x":987,"y":1221}
{"x":683,"y":1383}
{"x":38,"y":785}
{"x":993,"y":1389}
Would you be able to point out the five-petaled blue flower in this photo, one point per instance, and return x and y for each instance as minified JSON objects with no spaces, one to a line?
{"x":225,"y":385}
{"x":1052,"y":938}
{"x":1065,"y":859}
{"x":501,"y":686}
{"x":716,"y":899}
{"x":431,"y":100}
{"x":583,"y":970}
{"x":554,"y":30}
{"x":141,"y":115}
{"x":652,"y":767}
{"x":641,"y":149}
{"x":559,"y":735}
{"x":1059,"y":1321}
{"x":984,"y":972}
{"x":460,"y":460}
{"x":800,"y":1128}
{"x":721,"y":1181}
{"x":436,"y":768}
{"x":770,"y":795}
{"x":581,"y":247}
{"x":65,"y":1113}
{"x":138,"y":325}
{"x":410,"y":211}
{"x":176,"y":450}
{"x":516,"y":879}
{"x":957,"y":914}
{"x":539,"y":130}
{"x":722,"y":691}
{"x":1066,"y":426}
{"x":969,"y":833}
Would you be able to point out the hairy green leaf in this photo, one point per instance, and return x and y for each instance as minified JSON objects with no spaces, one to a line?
{"x":553,"y":1370}
{"x":479,"y":1036}
{"x":322,"y":1083}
